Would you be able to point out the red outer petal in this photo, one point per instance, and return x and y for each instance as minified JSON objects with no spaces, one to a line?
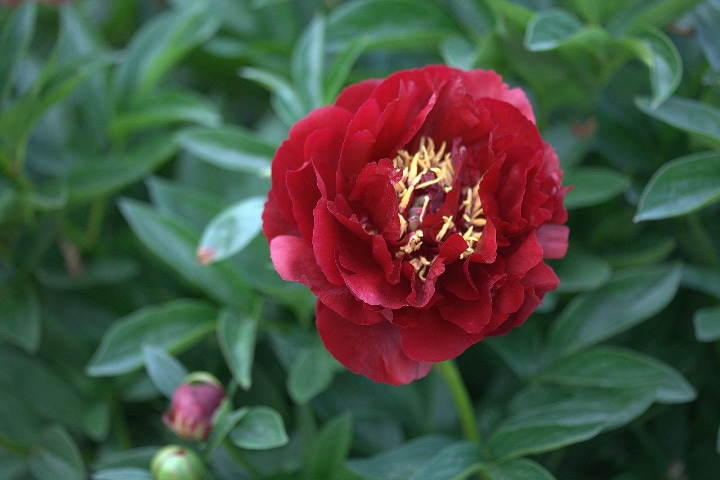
{"x":553,"y":239}
{"x":434,"y":339}
{"x":370,"y":350}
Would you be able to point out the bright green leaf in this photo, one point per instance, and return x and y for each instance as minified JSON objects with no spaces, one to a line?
{"x":229,"y":148}
{"x":626,"y":300}
{"x":236,"y":336}
{"x":171,"y":326}
{"x":549,"y":29}
{"x":260,"y":429}
{"x":166,"y":372}
{"x":56,"y":456}
{"x":593,"y":185}
{"x":665,"y":64}
{"x":20,"y":323}
{"x":231,"y":230}
{"x":286,"y":100}
{"x":682,"y":186}
{"x":612,"y":367}
{"x":707,"y":324}
{"x":174,"y":242}
{"x":686,"y":114}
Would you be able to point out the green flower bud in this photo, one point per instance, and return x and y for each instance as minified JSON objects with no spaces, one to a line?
{"x":177,"y":463}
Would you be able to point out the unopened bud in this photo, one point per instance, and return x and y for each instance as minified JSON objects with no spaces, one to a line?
{"x":193,"y":406}
{"x":177,"y":463}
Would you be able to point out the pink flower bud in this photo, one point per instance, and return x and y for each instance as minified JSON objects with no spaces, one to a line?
{"x":177,"y":463}
{"x":193,"y":405}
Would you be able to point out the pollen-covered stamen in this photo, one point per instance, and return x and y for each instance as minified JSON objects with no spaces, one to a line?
{"x":426,"y":178}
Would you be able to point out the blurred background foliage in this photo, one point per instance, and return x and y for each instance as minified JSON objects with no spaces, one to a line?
{"x":135,"y":144}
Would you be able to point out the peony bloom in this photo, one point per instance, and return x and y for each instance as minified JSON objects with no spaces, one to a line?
{"x":419,"y":209}
{"x":193,"y":406}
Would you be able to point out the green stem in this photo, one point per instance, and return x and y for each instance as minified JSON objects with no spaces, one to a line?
{"x":461,"y":397}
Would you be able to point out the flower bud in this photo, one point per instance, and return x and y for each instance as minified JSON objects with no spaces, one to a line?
{"x":176,"y":463}
{"x":193,"y":405}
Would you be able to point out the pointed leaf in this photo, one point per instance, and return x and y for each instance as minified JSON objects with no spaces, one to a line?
{"x":665,"y":64}
{"x":56,"y":456}
{"x":453,"y":462}
{"x":330,"y":448}
{"x":171,"y":326}
{"x":229,"y":148}
{"x":593,"y":185}
{"x":613,"y":367}
{"x":174,"y":242}
{"x":549,"y":29}
{"x":308,"y":63}
{"x":516,"y":469}
{"x":310,"y":373}
{"x":707,"y":324}
{"x":231,"y":230}
{"x":236,"y":336}
{"x":15,"y":38}
{"x":166,"y":372}
{"x":260,"y":429}
{"x":686,"y":114}
{"x":680,"y":187}
{"x":626,"y":300}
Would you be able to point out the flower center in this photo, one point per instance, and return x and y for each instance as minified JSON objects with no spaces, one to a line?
{"x":428,"y":177}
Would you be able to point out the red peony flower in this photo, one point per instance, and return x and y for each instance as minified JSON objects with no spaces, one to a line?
{"x":193,"y":406}
{"x":419,"y":209}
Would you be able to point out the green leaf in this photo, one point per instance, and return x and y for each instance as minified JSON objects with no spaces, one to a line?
{"x":158,"y":46}
{"x":686,"y":114}
{"x":286,"y":100}
{"x":229,"y":148}
{"x":166,"y":372}
{"x":171,"y":326}
{"x":308,"y":62}
{"x":340,"y":68}
{"x":549,"y":29}
{"x":665,"y":64}
{"x":330,"y":448}
{"x":453,"y":462}
{"x":56,"y":456}
{"x":593,"y":185}
{"x":236,"y":335}
{"x":626,"y":300}
{"x":122,"y":473}
{"x":224,"y":420}
{"x":310,"y":373}
{"x":680,"y":187}
{"x":91,"y":179}
{"x":422,"y":23}
{"x":231,"y":230}
{"x":260,"y":429}
{"x":165,"y":107}
{"x":707,"y":324}
{"x":517,"y":469}
{"x":20,"y":323}
{"x":581,"y":271}
{"x":400,"y":462}
{"x":659,"y":13}
{"x":15,"y":37}
{"x":174,"y":242}
{"x":548,"y":418}
{"x":613,"y":367}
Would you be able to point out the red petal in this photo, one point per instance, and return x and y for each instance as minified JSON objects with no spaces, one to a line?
{"x":553,"y":239}
{"x":355,"y":95}
{"x":372,"y":350}
{"x":434,"y":339}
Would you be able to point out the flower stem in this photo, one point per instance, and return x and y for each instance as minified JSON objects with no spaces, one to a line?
{"x":461,"y":397}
